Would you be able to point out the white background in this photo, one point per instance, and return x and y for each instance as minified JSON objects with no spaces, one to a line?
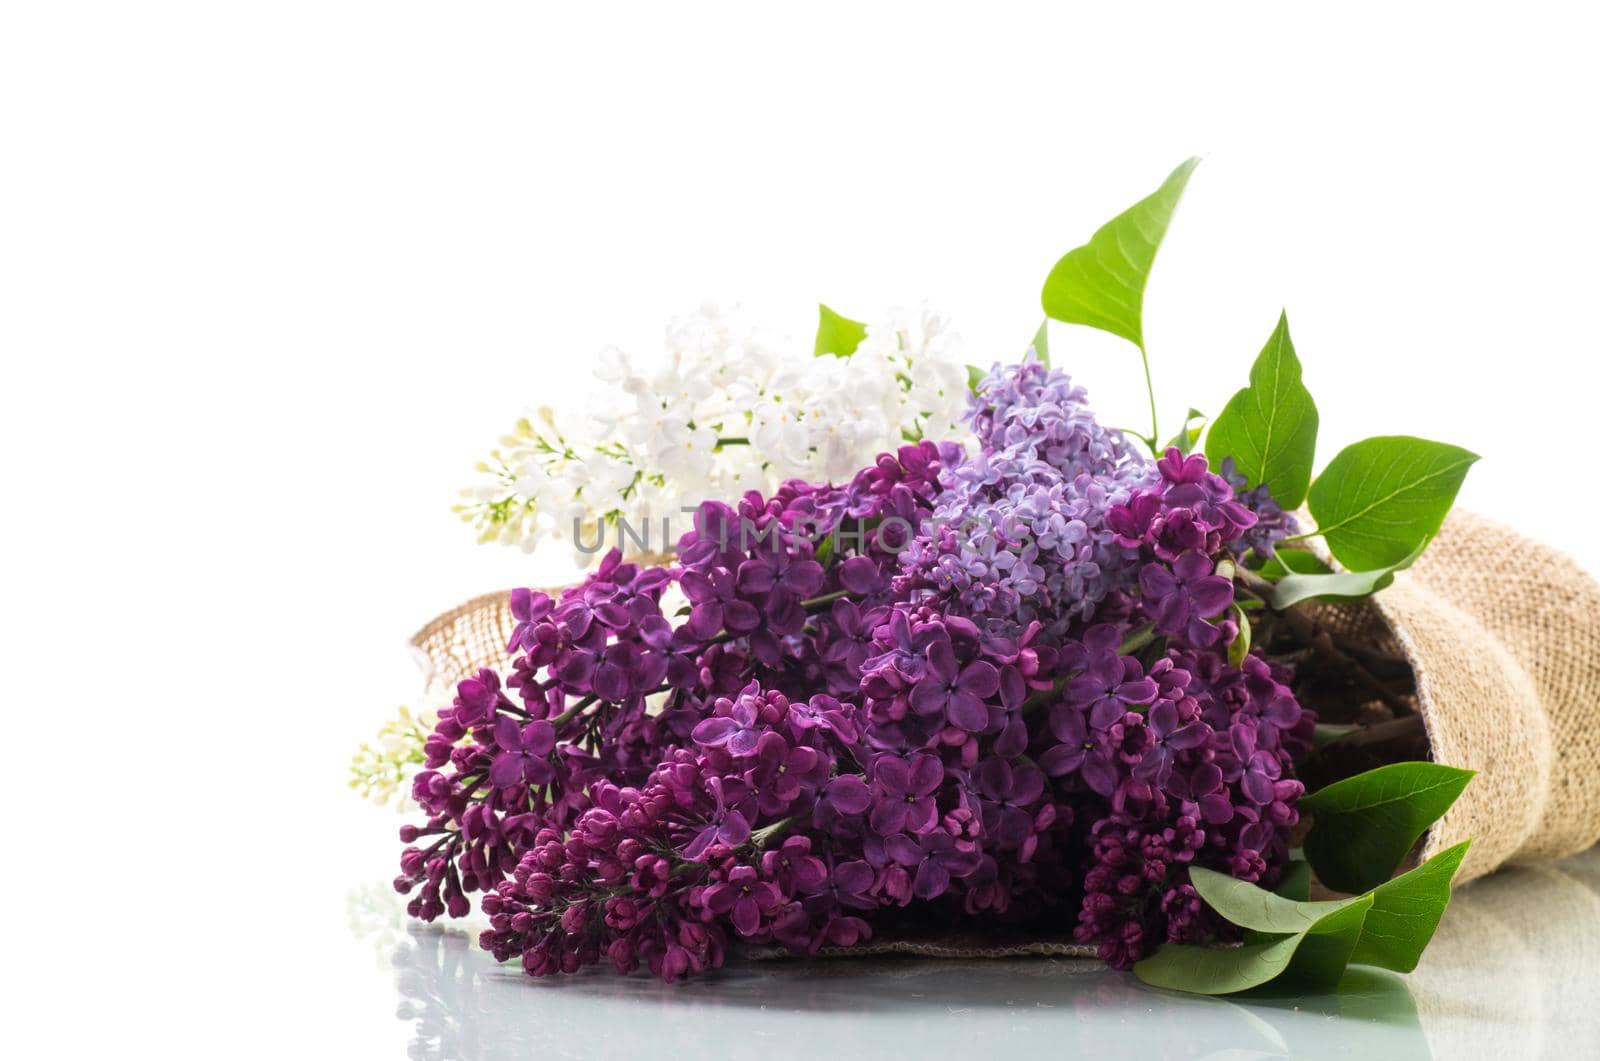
{"x":272,"y":277}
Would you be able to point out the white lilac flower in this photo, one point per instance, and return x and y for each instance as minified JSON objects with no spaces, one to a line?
{"x":382,"y":771}
{"x":724,"y":410}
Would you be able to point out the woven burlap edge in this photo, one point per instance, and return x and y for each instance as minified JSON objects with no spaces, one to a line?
{"x":962,"y":946}
{"x":1543,"y":610}
{"x":1503,"y":634}
{"x":463,"y":641}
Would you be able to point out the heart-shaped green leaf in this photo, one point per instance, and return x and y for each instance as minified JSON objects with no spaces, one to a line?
{"x":1364,"y":825}
{"x":1270,"y":427}
{"x":837,"y":335}
{"x":1101,"y":284}
{"x":1382,"y":499}
{"x":1406,"y":911}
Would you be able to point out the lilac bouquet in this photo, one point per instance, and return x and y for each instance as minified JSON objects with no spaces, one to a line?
{"x":1046,"y":677}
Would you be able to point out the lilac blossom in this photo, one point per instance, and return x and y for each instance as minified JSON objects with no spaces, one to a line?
{"x":955,"y":691}
{"x":1108,"y":687}
{"x":1029,"y":704}
{"x":902,"y":793}
{"x":524,"y":752}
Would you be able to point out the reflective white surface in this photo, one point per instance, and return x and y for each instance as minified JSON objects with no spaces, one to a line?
{"x":1512,"y":973}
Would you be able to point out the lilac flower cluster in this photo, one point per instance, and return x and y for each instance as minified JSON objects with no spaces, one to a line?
{"x":1201,"y":777}
{"x":660,"y":874}
{"x":1273,"y":522}
{"x":1020,"y":533}
{"x":992,"y":689}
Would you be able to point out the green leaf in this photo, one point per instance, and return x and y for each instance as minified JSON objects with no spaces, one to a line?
{"x":1363,"y":826}
{"x":1185,"y":439}
{"x":1239,"y":647}
{"x":974,"y":377}
{"x":1217,"y":970}
{"x":1252,"y":907}
{"x":1041,"y":343}
{"x":837,"y":335}
{"x":1101,"y":284}
{"x":1322,"y":956}
{"x":824,"y":553}
{"x":1338,"y":585}
{"x":1406,"y":911}
{"x":1311,"y":943}
{"x":1382,"y":499}
{"x":1270,"y":427}
{"x":1286,"y":561}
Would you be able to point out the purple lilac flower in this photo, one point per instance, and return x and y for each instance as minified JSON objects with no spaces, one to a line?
{"x":1020,"y":530}
{"x":1080,"y":750}
{"x":783,"y":773}
{"x":1177,"y":598}
{"x":736,"y":725}
{"x":1108,"y":687}
{"x":1273,"y":523}
{"x":655,"y":795}
{"x":794,"y":867}
{"x":955,"y":691}
{"x":1035,"y":406}
{"x":845,"y":885}
{"x":843,"y":796}
{"x":1008,"y":795}
{"x":902,"y":793}
{"x":716,"y":605}
{"x":1169,"y":735}
{"x":932,"y":861}
{"x":744,"y":897}
{"x":906,"y":652}
{"x":727,"y":825}
{"x":524,"y":752}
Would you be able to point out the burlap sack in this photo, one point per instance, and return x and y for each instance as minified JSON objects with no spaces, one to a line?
{"x":1503,"y":635}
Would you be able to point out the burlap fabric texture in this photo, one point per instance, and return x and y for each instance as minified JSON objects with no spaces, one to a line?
{"x":1503,"y":635}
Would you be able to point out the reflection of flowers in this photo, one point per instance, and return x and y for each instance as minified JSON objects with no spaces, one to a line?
{"x":1487,"y":983}
{"x":726,"y":411}
{"x":460,"y":1004}
{"x":377,"y":917}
